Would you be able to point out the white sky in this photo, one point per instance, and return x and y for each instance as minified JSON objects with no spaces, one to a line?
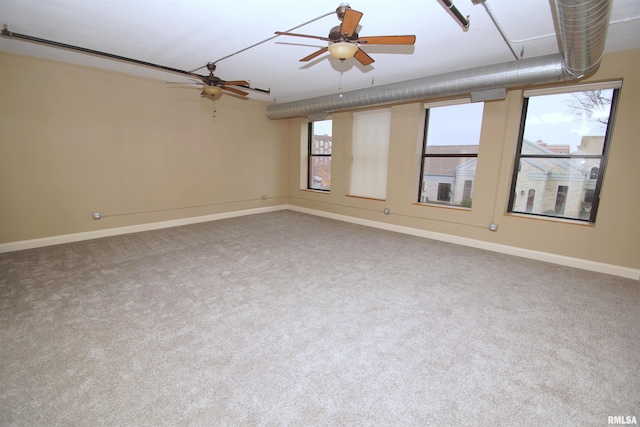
{"x":323,"y":127}
{"x":550,"y":119}
{"x":455,"y":124}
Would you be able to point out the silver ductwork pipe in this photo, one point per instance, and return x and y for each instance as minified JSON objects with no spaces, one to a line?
{"x":515,"y":73}
{"x":582,"y":26}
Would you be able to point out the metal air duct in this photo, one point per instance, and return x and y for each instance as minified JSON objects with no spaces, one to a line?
{"x":582,"y":25}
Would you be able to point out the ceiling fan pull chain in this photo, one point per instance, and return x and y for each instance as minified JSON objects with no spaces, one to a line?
{"x":341,"y":76}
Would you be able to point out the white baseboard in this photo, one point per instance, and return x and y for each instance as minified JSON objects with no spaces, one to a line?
{"x":88,"y":235}
{"x":615,"y":270}
{"x":599,"y":267}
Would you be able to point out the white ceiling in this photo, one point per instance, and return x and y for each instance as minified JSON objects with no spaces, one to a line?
{"x":186,"y":34}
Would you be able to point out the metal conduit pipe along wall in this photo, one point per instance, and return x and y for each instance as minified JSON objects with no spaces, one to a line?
{"x":582,"y":25}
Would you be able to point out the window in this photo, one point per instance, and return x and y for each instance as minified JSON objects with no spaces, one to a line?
{"x":370,"y":153}
{"x":320,"y":147}
{"x":444,"y":192}
{"x":467,"y":189}
{"x":562,"y":150}
{"x":449,"y":153}
{"x":561,"y":199}
{"x":531,"y":197}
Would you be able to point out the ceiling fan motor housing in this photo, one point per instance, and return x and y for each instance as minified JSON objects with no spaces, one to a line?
{"x":342,"y":9}
{"x":335,"y":35}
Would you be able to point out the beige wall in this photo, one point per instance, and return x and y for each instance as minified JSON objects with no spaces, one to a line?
{"x":614,"y":239}
{"x":74,"y":140}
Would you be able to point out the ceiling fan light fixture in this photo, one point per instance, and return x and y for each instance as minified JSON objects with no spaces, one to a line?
{"x":343,"y":50}
{"x":212,"y":90}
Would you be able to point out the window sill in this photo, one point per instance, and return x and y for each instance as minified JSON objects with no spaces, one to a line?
{"x":433,"y":205}
{"x":551,"y":219}
{"x":311,"y":190}
{"x":366,"y":198}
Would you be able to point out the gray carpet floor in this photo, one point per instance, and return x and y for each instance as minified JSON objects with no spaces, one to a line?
{"x":289,"y":319}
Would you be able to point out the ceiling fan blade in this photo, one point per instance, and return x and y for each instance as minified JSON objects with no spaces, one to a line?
{"x":407,"y":40}
{"x":280,"y":33}
{"x":234,"y":90}
{"x":314,"y":54}
{"x":350,"y":22}
{"x":235,"y":83}
{"x":363,"y":58}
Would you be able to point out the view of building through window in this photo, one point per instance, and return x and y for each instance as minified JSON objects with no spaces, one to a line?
{"x":320,"y":146}
{"x":450,"y":151}
{"x":562,"y":154}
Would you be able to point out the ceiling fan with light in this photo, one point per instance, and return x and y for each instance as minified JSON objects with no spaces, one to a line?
{"x":211,"y":85}
{"x":344,"y":41}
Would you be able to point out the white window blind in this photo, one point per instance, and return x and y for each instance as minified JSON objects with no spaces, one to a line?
{"x":370,"y":153}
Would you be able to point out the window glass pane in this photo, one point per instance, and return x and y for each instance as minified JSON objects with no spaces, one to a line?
{"x":320,"y":149}
{"x":458,"y":173}
{"x":455,"y":126}
{"x":320,"y":173}
{"x":556,"y":187}
{"x":450,"y":154}
{"x":561,"y":122}
{"x":562,"y":153}
{"x":322,"y":137}
{"x":452,"y":149}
